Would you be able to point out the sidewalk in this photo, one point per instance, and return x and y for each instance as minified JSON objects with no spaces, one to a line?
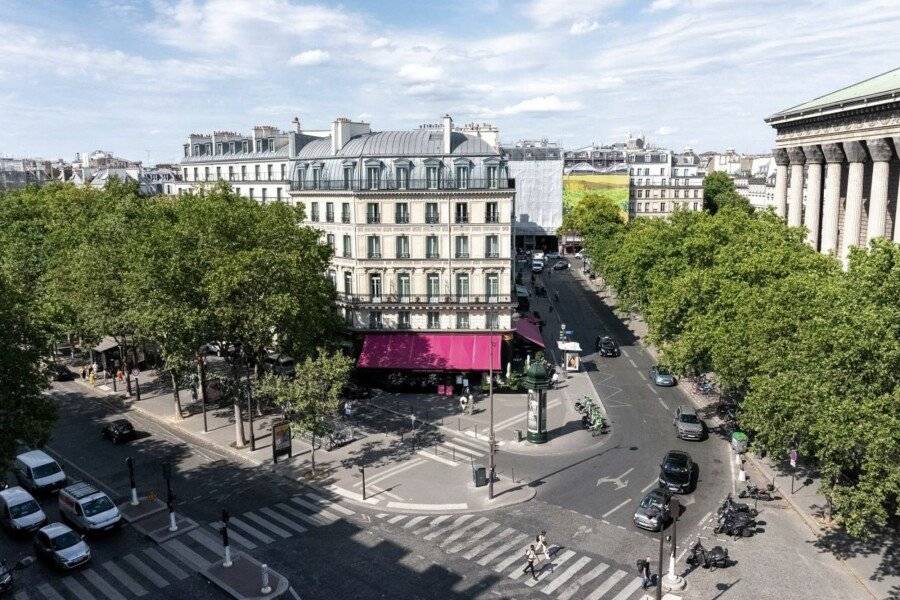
{"x":400,"y":469}
{"x":875,"y":563}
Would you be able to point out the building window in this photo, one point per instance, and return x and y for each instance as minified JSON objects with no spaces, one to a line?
{"x":329,"y":212}
{"x":373,"y":244}
{"x":375,"y":287}
{"x":316,"y":178}
{"x":492,"y":246}
{"x":431,"y":178}
{"x":402,"y":178}
{"x":348,"y":316}
{"x":492,"y":178}
{"x":662,"y":207}
{"x":403,"y":319}
{"x":283,"y":171}
{"x":205,"y":173}
{"x":434,"y":320}
{"x":256,"y":172}
{"x":243,"y":172}
{"x":252,"y":195}
{"x":348,"y":177}
{"x":493,"y":320}
{"x":432,"y":213}
{"x":348,"y":283}
{"x":432,"y":247}
{"x":402,"y":246}
{"x":264,"y":190}
{"x":373,"y":178}
{"x":218,"y":173}
{"x":696,"y":193}
{"x":462,"y":212}
{"x":237,"y":191}
{"x":432,"y":286}
{"x":278,"y":194}
{"x":462,"y":287}
{"x":196,"y":176}
{"x":347,"y":253}
{"x":462,"y":177}
{"x":462,"y":320}
{"x":345,"y":212}
{"x":373,"y":214}
{"x":332,"y":276}
{"x":375,"y":320}
{"x":329,"y":239}
{"x":462,"y":246}
{"x":402,"y":213}
{"x":313,"y":211}
{"x":230,"y":173}
{"x":269,"y":169}
{"x":491,"y":213}
{"x":185,"y":174}
{"x":492,"y":285}
{"x":403,"y":287}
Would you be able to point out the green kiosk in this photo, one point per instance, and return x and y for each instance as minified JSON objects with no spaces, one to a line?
{"x":537,"y":381}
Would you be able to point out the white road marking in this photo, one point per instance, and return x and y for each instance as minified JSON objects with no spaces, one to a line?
{"x":464,"y":450}
{"x":314,"y":520}
{"x":440,"y":459}
{"x":250,"y":530}
{"x":473,"y":552}
{"x":49,"y":592}
{"x":390,"y":471}
{"x":480,"y":534}
{"x":379,"y":491}
{"x":459,"y":521}
{"x":519,"y":541}
{"x":606,"y":586}
{"x":566,"y":575}
{"x":396,"y":519}
{"x":267,"y":525}
{"x":462,"y":530}
{"x":101,"y":584}
{"x":412,"y":506}
{"x":641,"y":374}
{"x":434,"y":522}
{"x":124,"y":578}
{"x":414,"y":521}
{"x":76,"y":588}
{"x":653,"y":389}
{"x":332,"y":505}
{"x":550,"y":567}
{"x":234,"y":536}
{"x":316,"y":509}
{"x":628,"y":589}
{"x":583,"y":580}
{"x":506,"y":562}
{"x":625,"y":352}
{"x":612,"y":510}
{"x":653,"y":483}
{"x":351,"y":495}
{"x":283,"y":520}
{"x":185,"y":554}
{"x":208,"y":541}
{"x":146,"y":571}
{"x":664,"y":405}
{"x":165,"y":563}
{"x":633,"y":364}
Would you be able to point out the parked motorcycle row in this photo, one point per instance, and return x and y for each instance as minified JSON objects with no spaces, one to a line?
{"x":592,"y":417}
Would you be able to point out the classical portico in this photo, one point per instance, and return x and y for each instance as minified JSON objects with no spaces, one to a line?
{"x":841,"y":150}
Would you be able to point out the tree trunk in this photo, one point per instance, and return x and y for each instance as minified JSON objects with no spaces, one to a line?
{"x":175,"y":395}
{"x":201,"y":378}
{"x":239,"y":440}
{"x":313,"y":453}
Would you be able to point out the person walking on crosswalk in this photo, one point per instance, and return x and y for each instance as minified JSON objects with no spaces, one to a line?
{"x":530,"y":557}
{"x":549,"y":550}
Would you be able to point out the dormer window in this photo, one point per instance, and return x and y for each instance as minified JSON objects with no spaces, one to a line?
{"x":402,"y":178}
{"x":316,"y":178}
{"x":462,"y":177}
{"x":493,"y":178}
{"x":431,"y":177}
{"x":348,"y":177}
{"x":373,"y":178}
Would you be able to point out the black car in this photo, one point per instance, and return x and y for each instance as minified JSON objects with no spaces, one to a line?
{"x":676,"y":473}
{"x":607,"y":346}
{"x":653,"y":511}
{"x":59,"y":373}
{"x":118,"y":431}
{"x":560,"y":265}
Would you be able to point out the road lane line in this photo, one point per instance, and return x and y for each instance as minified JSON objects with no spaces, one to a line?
{"x":628,"y":589}
{"x":473,"y":552}
{"x":632,"y":363}
{"x":642,"y":376}
{"x":582,"y":581}
{"x":664,"y":405}
{"x":329,"y":504}
{"x":566,"y":575}
{"x":76,"y":588}
{"x":101,"y":584}
{"x":625,"y":352}
{"x":267,"y":525}
{"x":606,"y":586}
{"x":653,"y":483}
{"x":165,"y":563}
{"x":283,"y":520}
{"x":652,"y":389}
{"x":234,"y":536}
{"x":612,"y":510}
{"x":126,"y":579}
{"x":146,"y":571}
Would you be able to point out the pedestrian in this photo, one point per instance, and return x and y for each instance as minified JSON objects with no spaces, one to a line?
{"x":463,"y":402}
{"x":554,"y":379}
{"x":530,"y":557}
{"x":95,"y":368}
{"x":120,"y":375}
{"x":550,"y":550}
{"x":83,"y":372}
{"x":644,"y":572}
{"x":540,"y":546}
{"x":471,"y":403}
{"x":92,"y":379}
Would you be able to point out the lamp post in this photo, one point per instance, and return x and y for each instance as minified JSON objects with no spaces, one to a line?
{"x":671,"y":580}
{"x":170,"y":497}
{"x":225,"y":517}
{"x":492,"y":441}
{"x":134,"y":495}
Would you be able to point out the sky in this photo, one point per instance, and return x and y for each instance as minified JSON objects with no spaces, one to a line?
{"x":136,"y":77}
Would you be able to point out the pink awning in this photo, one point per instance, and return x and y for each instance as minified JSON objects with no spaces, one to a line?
{"x":530,"y":331}
{"x":430,"y":351}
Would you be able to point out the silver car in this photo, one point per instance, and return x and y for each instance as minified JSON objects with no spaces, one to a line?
{"x":19,"y":511}
{"x":661,"y":376}
{"x":653,"y":511}
{"x":60,"y":546}
{"x":688,"y":426}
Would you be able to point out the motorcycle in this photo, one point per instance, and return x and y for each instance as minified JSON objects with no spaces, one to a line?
{"x":736,"y":524}
{"x":730,"y":506}
{"x":716,"y":557}
{"x":6,"y":572}
{"x":756,"y":493}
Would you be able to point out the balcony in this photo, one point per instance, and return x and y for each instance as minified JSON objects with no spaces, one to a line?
{"x":345,"y":218}
{"x":402,"y":220}
{"x":492,"y":255}
{"x":390,"y":185}
{"x":370,"y":219}
{"x":374,"y":254}
{"x":432,"y":219}
{"x":461,"y":219}
{"x":460,"y":254}
{"x":492,"y":218}
{"x":403,"y":255}
{"x":425,"y":299}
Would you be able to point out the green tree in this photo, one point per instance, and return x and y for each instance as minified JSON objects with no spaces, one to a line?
{"x":312,"y":396}
{"x":714,"y":184}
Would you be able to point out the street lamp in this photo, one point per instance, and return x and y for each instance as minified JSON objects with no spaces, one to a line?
{"x":492,"y":440}
{"x":671,"y":580}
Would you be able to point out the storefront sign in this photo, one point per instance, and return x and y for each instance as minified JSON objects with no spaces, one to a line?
{"x":281,"y":439}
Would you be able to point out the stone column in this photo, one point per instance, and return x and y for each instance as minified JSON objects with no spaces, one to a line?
{"x":834,"y":157}
{"x":781,"y":163}
{"x":881,"y":152}
{"x":812,"y":217}
{"x":856,"y":156}
{"x":795,"y":194}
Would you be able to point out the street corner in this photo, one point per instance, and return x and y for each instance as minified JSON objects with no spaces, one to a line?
{"x":158,"y":526}
{"x":246,"y":578}
{"x":144,"y":508}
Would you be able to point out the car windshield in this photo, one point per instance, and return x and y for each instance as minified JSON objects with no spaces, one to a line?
{"x":607,"y":342}
{"x":23,"y":510}
{"x":652,"y":501}
{"x":689,"y":418}
{"x":662,"y":372}
{"x":45,"y":470}
{"x":66,"y":540}
{"x":97,"y":506}
{"x":676,"y":470}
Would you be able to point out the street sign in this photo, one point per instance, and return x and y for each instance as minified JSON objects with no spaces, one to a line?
{"x":793,"y":457}
{"x":135,"y":372}
{"x":281,"y":439}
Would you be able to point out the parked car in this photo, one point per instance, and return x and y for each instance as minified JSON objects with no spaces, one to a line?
{"x":688,"y":426}
{"x":59,"y":373}
{"x":279,"y":364}
{"x":552,"y":256}
{"x":87,"y":508}
{"x":19,"y":511}
{"x":579,"y":254}
{"x":607,"y":346}
{"x":652,"y":512}
{"x":537,"y":266}
{"x":118,"y":431}
{"x":661,"y":376}
{"x":38,"y":472}
{"x":57,"y":544}
{"x":560,"y":265}
{"x":676,"y":472}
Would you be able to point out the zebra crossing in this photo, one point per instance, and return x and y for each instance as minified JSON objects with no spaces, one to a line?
{"x":454,"y":451}
{"x":569,"y":574}
{"x":142,"y":573}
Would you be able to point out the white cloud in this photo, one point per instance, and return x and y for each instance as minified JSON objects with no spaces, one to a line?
{"x":584,"y":26}
{"x":382,"y":42}
{"x":665,"y":130}
{"x":547,"y":13}
{"x":309,"y":58}
{"x":542,"y":104}
{"x":662,"y":5}
{"x":418,"y":73}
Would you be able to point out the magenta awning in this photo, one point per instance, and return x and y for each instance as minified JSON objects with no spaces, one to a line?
{"x":530,"y":331}
{"x":430,"y":351}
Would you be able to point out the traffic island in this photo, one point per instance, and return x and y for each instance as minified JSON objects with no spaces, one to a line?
{"x":156,"y":526}
{"x":244,"y":579}
{"x":144,"y":508}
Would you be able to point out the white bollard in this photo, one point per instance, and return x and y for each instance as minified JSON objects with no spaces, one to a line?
{"x":227,"y":562}
{"x":266,"y":588}
{"x":134,"y":497}
{"x":742,"y":475}
{"x":172,"y":525}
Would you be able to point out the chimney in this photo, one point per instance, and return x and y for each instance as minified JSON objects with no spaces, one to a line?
{"x":340,"y":134}
{"x":448,"y":129}
{"x":296,"y":124}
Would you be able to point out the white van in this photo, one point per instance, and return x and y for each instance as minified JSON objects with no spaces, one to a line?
{"x":37,"y":472}
{"x":537,"y":265}
{"x":19,"y":511}
{"x":87,"y":508}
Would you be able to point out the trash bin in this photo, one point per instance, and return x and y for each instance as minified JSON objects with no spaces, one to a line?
{"x":479,"y":474}
{"x":739,"y":442}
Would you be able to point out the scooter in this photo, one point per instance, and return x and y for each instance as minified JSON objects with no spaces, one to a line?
{"x":736,"y":524}
{"x":730,"y":506}
{"x":717,"y":557}
{"x":6,"y":572}
{"x":756,"y":493}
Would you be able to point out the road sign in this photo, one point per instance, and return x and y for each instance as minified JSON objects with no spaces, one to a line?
{"x":135,"y":372}
{"x":793,"y":457}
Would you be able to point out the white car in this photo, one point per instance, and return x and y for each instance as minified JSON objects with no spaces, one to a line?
{"x":19,"y":511}
{"x":87,"y":508}
{"x":38,"y":472}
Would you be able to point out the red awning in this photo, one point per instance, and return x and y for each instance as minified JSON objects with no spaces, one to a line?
{"x":430,"y":351}
{"x":530,"y":331}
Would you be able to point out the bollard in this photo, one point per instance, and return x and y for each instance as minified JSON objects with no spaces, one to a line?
{"x":266,"y":588}
{"x":137,"y":389}
{"x":134,"y":496}
{"x":363,"y":471}
{"x":458,"y":426}
{"x":224,"y":530}
{"x":513,"y":474}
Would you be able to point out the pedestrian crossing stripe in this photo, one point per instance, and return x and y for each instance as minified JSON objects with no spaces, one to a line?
{"x":332,"y":505}
{"x":583,"y":581}
{"x":478,"y":535}
{"x":459,"y":521}
{"x":250,"y":530}
{"x":316,"y":509}
{"x":102,"y":585}
{"x":606,"y":586}
{"x":77,"y":589}
{"x":434,"y":522}
{"x":144,"y":570}
{"x":207,"y":541}
{"x":49,"y":592}
{"x":314,"y":520}
{"x":550,"y":567}
{"x":470,"y":554}
{"x":460,"y":532}
{"x":234,"y":536}
{"x":266,"y":524}
{"x":565,"y":575}
{"x":283,"y":520}
{"x":127,"y":580}
{"x":165,"y":563}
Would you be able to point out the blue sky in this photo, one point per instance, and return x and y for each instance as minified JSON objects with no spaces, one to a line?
{"x":136,"y":77}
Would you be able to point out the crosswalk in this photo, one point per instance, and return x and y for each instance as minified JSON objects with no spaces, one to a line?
{"x":454,"y":451}
{"x":144,"y":572}
{"x":567,"y":575}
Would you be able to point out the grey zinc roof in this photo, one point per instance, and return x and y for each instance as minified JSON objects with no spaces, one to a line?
{"x":416,"y":142}
{"x":878,"y":85}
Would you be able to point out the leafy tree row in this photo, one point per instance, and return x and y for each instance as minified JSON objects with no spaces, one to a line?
{"x":173,"y":271}
{"x":812,"y":350}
